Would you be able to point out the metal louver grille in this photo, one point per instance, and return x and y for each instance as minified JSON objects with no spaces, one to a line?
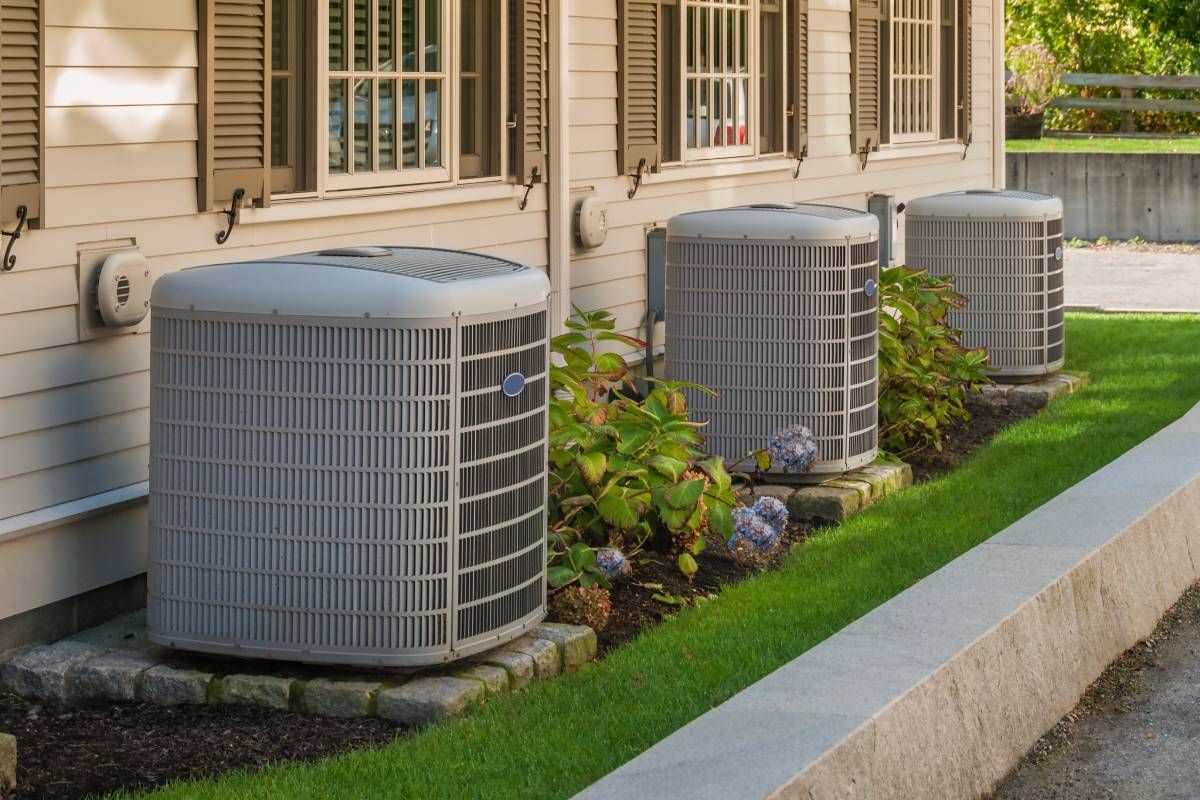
{"x":786,"y":334}
{"x":317,"y":494}
{"x":1011,"y":271}
{"x":502,"y":476}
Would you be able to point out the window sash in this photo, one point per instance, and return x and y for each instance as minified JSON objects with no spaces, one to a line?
{"x":707,"y":63}
{"x":914,"y":71}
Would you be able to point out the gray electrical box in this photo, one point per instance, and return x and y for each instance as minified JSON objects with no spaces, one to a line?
{"x":883,"y":206}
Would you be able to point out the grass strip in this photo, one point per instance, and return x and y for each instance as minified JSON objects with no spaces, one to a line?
{"x":1102,"y":144}
{"x":559,"y":736}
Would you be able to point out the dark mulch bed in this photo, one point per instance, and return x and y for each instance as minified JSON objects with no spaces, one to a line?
{"x":634,"y":607}
{"x":93,"y":750}
{"x":964,"y":438}
{"x":76,"y":752}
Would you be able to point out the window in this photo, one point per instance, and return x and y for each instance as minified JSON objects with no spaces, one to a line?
{"x":304,"y":99}
{"x":704,"y":79}
{"x":911,"y":72}
{"x":387,"y":93}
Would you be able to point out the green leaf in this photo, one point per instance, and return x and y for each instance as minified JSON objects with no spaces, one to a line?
{"x":762,"y":459}
{"x":672,"y":468}
{"x":669,"y":599}
{"x":558,"y":576}
{"x":578,"y":501}
{"x":688,"y":565}
{"x":700,"y":545}
{"x":617,"y":511}
{"x":675,"y":519}
{"x":685,"y":494}
{"x":714,"y":468}
{"x":720,"y":520}
{"x":592,"y":466}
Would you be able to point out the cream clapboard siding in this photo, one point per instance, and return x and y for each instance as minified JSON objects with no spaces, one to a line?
{"x":613,"y":276}
{"x":121,"y":83}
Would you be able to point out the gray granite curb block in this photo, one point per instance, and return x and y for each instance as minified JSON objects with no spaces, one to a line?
{"x":41,"y":672}
{"x":840,"y":498}
{"x":264,"y":691}
{"x":428,"y":700}
{"x":340,"y":698}
{"x":8,"y":763}
{"x":169,"y":686}
{"x":1035,"y":395}
{"x":112,"y":676}
{"x":576,"y":642}
{"x":940,"y":691}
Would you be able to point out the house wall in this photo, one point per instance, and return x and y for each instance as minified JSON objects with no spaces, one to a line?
{"x":121,"y":86}
{"x":121,"y":167}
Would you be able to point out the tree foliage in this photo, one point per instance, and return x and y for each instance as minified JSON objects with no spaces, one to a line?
{"x":1140,"y":37}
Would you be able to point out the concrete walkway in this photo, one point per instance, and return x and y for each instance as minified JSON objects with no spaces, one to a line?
{"x":1123,"y":279}
{"x":1144,"y":745}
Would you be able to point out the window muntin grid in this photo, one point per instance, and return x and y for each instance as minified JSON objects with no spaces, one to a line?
{"x":387,"y":97}
{"x":914,"y":69}
{"x":718,"y":50}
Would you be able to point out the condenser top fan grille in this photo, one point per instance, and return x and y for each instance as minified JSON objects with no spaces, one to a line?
{"x":776,"y":309}
{"x":1005,"y":251}
{"x":347,"y":478}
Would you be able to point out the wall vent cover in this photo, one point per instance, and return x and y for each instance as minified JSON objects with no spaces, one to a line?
{"x":775,"y":310}
{"x":1005,"y":251}
{"x":338,"y":486}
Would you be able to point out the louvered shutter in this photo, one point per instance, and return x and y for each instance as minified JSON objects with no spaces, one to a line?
{"x":866,"y":74}
{"x":639,"y":29}
{"x":21,"y":108}
{"x":964,"y":65}
{"x":527,"y":67}
{"x":235,"y":101}
{"x":797,"y":72}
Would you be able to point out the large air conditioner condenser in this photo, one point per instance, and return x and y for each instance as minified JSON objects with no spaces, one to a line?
{"x":776,"y":309}
{"x":1004,"y":250}
{"x":348,"y":456}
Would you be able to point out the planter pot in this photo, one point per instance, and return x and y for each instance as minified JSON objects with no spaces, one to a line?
{"x":1024,"y":126}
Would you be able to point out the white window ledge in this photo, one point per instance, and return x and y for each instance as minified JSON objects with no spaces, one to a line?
{"x":284,"y":210}
{"x":63,"y":513}
{"x":719,"y":169}
{"x":900,"y":151}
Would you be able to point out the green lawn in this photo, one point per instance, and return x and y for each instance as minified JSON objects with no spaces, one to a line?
{"x":559,"y":736}
{"x":1104,"y":145}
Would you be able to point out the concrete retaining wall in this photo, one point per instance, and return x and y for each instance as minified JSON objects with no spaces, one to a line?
{"x":1155,"y":196}
{"x":941,"y":690}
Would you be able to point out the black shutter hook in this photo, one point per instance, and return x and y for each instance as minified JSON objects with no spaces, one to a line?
{"x":533,"y":178}
{"x":637,"y":179}
{"x":10,"y":260}
{"x":234,"y":214}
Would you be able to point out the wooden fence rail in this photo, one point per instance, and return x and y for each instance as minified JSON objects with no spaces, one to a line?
{"x":1127,"y":103}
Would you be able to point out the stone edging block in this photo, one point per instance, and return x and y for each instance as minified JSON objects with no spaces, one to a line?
{"x":94,"y":666}
{"x":840,"y":498}
{"x":8,"y":763}
{"x":1035,"y":395}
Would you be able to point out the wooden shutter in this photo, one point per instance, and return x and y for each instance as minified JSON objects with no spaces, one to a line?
{"x":527,"y":66}
{"x":797,"y":72}
{"x":866,"y":66}
{"x":235,"y":101}
{"x":965,"y":98}
{"x":638,"y":32}
{"x":22,"y":112}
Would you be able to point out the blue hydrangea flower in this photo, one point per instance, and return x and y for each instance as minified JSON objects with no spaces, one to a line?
{"x":751,"y":529}
{"x":774,"y":512}
{"x":795,"y":448}
{"x":612,"y":564}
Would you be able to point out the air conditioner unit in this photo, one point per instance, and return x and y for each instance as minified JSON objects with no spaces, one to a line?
{"x":775,"y":307}
{"x":1005,"y":252}
{"x":348,"y":456}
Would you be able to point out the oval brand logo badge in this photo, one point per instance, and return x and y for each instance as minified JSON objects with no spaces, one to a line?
{"x":513,"y":385}
{"x":869,"y":288}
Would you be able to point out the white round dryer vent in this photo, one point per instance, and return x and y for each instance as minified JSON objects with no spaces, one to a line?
{"x":776,"y":308}
{"x":348,"y":456}
{"x":123,"y":289}
{"x":1005,"y":252}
